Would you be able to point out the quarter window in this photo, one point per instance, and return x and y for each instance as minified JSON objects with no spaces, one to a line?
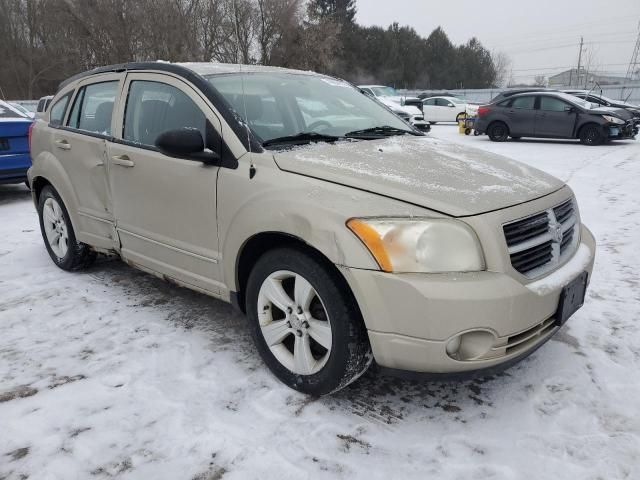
{"x":58,"y":109}
{"x":523,"y":103}
{"x":551,"y":104}
{"x":442,"y":102}
{"x":93,"y":108}
{"x":431,"y":101}
{"x":154,"y":108}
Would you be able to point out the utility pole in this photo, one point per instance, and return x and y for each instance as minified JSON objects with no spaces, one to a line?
{"x":580,"y":58}
{"x":634,"y":64}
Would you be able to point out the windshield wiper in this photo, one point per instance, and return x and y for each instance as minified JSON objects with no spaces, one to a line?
{"x":301,"y":138}
{"x":381,"y":131}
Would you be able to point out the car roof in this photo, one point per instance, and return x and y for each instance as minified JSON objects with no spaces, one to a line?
{"x":185,"y":69}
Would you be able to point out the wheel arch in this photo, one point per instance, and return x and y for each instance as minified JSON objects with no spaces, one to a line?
{"x":259,"y":244}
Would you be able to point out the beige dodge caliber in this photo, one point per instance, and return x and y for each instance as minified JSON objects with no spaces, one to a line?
{"x":344,"y":234}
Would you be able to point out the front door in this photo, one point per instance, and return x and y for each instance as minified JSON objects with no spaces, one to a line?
{"x":165,"y":207}
{"x":555,"y":118}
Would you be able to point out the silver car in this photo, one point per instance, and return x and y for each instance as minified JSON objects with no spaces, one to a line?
{"x":343,"y":234}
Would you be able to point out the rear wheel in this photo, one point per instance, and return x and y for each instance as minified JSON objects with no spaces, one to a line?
{"x":57,"y":232}
{"x":306,"y":325}
{"x":460,"y":116}
{"x":498,"y":132}
{"x":590,"y":135}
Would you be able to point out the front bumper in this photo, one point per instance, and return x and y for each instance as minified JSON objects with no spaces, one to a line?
{"x":411,"y":317}
{"x":625,"y":131}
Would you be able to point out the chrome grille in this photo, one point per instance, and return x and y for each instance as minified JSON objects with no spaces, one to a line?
{"x":539,"y":242}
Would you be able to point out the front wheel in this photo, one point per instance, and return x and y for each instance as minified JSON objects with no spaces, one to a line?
{"x":57,"y":232}
{"x":498,"y":132}
{"x":460,"y":116}
{"x":305,"y":323}
{"x":590,"y":135}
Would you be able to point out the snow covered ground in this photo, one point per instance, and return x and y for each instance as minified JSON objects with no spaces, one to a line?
{"x":111,"y":373}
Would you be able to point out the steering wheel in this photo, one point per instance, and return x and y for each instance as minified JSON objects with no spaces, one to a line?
{"x":319,"y":123}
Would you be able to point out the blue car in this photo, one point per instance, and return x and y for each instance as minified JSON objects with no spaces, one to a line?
{"x":15,"y":159}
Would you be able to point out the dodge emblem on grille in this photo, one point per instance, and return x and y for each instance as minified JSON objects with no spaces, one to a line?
{"x":557,"y":232}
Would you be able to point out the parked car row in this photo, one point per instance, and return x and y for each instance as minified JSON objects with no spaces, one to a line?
{"x":543,"y":113}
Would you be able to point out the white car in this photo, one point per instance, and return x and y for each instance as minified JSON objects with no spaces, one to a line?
{"x":443,"y":109}
{"x":408,"y":113}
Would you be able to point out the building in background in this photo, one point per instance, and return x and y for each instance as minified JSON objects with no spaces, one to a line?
{"x":575,"y":78}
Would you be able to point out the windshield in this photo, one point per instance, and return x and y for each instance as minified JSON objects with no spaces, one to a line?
{"x":384,"y":91}
{"x":276,"y":105}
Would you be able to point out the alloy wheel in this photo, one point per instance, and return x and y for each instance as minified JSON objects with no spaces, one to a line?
{"x":55,"y":227}
{"x":294,"y":322}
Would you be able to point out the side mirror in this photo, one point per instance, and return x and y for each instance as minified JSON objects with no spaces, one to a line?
{"x":451,"y":105}
{"x":185,"y":143}
{"x":569,"y":109}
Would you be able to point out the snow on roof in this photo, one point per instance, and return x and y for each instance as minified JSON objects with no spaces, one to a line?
{"x":213,"y":68}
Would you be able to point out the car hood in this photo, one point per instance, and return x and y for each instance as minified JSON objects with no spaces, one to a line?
{"x":432,"y":173}
{"x":618,"y":112}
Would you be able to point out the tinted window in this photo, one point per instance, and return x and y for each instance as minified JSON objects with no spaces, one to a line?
{"x":551,"y":104}
{"x":441,"y":102}
{"x":93,"y":108}
{"x":431,"y":101}
{"x":524,"y":103}
{"x":154,"y":108}
{"x":58,"y":109}
{"x":504,"y":103}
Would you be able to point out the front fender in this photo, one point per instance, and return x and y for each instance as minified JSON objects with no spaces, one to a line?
{"x":310,"y":209}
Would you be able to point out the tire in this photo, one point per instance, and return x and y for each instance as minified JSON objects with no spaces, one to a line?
{"x":67,"y":253}
{"x":342,"y":353}
{"x":460,"y":116}
{"x":498,"y":132}
{"x":590,"y":135}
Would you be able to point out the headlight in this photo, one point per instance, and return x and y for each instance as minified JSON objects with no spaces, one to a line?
{"x":611,"y":119}
{"x":426,"y":245}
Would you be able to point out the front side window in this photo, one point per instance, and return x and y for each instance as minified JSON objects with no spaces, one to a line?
{"x":154,"y":108}
{"x":276,"y":105}
{"x":523,"y":103}
{"x":551,"y":104}
{"x":58,"y":109}
{"x":93,"y":108}
{"x":443,"y":102}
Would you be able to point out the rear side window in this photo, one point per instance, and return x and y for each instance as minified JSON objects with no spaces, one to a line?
{"x":93,"y":108}
{"x":58,"y":110}
{"x":551,"y":104}
{"x":154,"y":108}
{"x":524,"y":103}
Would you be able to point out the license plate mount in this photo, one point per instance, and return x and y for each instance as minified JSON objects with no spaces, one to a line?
{"x":571,"y":298}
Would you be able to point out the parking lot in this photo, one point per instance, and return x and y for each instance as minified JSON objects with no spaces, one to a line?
{"x":111,"y":372}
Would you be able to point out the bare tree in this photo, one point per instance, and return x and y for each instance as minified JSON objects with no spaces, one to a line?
{"x":502,"y":65}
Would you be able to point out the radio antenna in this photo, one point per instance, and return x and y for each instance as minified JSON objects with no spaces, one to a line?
{"x":252,"y":168}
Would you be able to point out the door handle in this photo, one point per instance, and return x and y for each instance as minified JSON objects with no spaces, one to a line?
{"x":123,"y":161}
{"x":63,"y":145}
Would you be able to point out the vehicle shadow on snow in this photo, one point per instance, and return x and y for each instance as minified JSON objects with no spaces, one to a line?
{"x":12,"y":193}
{"x":375,"y":397}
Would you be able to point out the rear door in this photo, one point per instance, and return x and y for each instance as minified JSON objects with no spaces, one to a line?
{"x":80,"y":144}
{"x":521,"y":115}
{"x":555,"y":118}
{"x":165,"y":207}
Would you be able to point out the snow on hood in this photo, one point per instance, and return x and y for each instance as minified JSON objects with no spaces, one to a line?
{"x":435,"y":174}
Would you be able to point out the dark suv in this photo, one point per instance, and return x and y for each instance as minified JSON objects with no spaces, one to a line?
{"x":546,"y":114}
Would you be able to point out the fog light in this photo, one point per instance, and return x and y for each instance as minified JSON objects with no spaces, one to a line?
{"x":470,"y":345}
{"x":453,"y":346}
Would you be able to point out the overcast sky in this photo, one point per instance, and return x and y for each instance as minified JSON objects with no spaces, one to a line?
{"x":540,"y":36}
